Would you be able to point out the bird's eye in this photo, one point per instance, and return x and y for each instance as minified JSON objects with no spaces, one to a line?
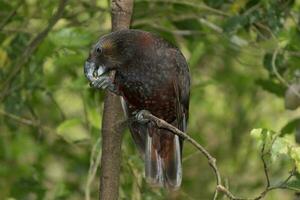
{"x":98,"y":50}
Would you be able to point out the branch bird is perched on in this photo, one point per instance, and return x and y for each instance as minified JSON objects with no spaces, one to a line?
{"x":150,"y":75}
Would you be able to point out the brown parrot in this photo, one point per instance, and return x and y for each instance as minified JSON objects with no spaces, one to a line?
{"x":150,"y":75}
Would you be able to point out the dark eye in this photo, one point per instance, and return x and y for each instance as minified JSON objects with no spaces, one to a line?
{"x":98,"y":50}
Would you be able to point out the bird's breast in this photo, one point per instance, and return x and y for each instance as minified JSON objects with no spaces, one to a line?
{"x":149,"y":92}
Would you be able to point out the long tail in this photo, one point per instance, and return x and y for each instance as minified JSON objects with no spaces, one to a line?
{"x":160,"y":149}
{"x":163,"y":158}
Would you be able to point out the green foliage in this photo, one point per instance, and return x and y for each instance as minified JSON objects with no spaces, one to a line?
{"x":72,"y":130}
{"x":71,"y":37}
{"x":273,"y":146}
{"x":290,"y":127}
{"x":272,"y":87}
{"x":50,"y":119}
{"x":294,"y":185}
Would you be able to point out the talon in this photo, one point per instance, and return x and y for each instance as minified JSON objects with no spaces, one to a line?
{"x":104,"y":84}
{"x":94,"y":84}
{"x":99,"y":82}
{"x":140,"y":116}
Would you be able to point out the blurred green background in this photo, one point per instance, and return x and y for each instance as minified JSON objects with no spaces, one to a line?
{"x":50,"y":118}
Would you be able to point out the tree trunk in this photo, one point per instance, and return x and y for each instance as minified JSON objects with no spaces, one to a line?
{"x":112,"y":128}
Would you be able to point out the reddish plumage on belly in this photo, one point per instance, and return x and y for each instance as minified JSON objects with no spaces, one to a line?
{"x":142,"y":96}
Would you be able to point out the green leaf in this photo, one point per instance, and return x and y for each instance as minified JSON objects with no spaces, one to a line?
{"x":294,"y":184}
{"x":275,"y":146}
{"x":72,"y":130}
{"x":290,"y":127}
{"x":5,"y":6}
{"x":18,"y":43}
{"x":256,"y":133}
{"x":214,"y":3}
{"x":235,"y":23}
{"x":69,"y":60}
{"x":94,"y":117}
{"x":279,"y":62}
{"x":261,"y":136}
{"x":188,"y":24}
{"x":45,"y":49}
{"x":271,"y":86}
{"x":294,"y":153}
{"x":71,"y":37}
{"x":279,"y":147}
{"x":196,"y":54}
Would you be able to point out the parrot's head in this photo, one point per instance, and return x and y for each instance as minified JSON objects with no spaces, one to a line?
{"x":109,"y":53}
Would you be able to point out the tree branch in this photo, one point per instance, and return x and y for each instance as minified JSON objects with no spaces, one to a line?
{"x":112,"y":126}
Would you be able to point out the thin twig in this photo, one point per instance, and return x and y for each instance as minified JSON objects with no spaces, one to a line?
{"x":176,"y":32}
{"x":266,"y":28}
{"x":29,"y":122}
{"x":19,"y":119}
{"x":210,"y":25}
{"x":212,"y":162}
{"x":94,"y":164}
{"x":265,"y":165}
{"x":190,"y":156}
{"x":292,"y":173}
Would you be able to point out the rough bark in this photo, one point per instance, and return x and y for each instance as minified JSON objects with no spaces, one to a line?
{"x":112,"y":126}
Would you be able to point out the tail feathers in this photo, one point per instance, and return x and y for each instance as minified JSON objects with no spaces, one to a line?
{"x":163,"y":160}
{"x":153,"y":163}
{"x":138,"y":133}
{"x":172,"y":165}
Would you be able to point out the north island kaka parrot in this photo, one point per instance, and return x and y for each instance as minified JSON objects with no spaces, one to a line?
{"x":150,"y":75}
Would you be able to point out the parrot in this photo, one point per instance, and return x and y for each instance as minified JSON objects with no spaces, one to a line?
{"x":151,"y":75}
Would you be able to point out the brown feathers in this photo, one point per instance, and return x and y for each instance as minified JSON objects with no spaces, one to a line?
{"x":108,"y":47}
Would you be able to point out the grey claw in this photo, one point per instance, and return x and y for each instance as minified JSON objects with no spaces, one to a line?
{"x":104,"y":84}
{"x":140,"y":116}
{"x":100,"y":82}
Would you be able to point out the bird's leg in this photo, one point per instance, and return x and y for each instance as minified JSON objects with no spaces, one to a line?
{"x":105,"y":83}
{"x":139,"y":116}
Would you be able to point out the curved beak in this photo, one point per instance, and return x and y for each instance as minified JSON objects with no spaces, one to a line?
{"x":92,"y":71}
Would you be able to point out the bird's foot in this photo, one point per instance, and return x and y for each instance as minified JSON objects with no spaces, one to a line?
{"x":102,"y":82}
{"x":140,"y":116}
{"x":105,"y":83}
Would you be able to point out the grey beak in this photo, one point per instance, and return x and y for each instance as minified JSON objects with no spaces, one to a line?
{"x":92,"y":72}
